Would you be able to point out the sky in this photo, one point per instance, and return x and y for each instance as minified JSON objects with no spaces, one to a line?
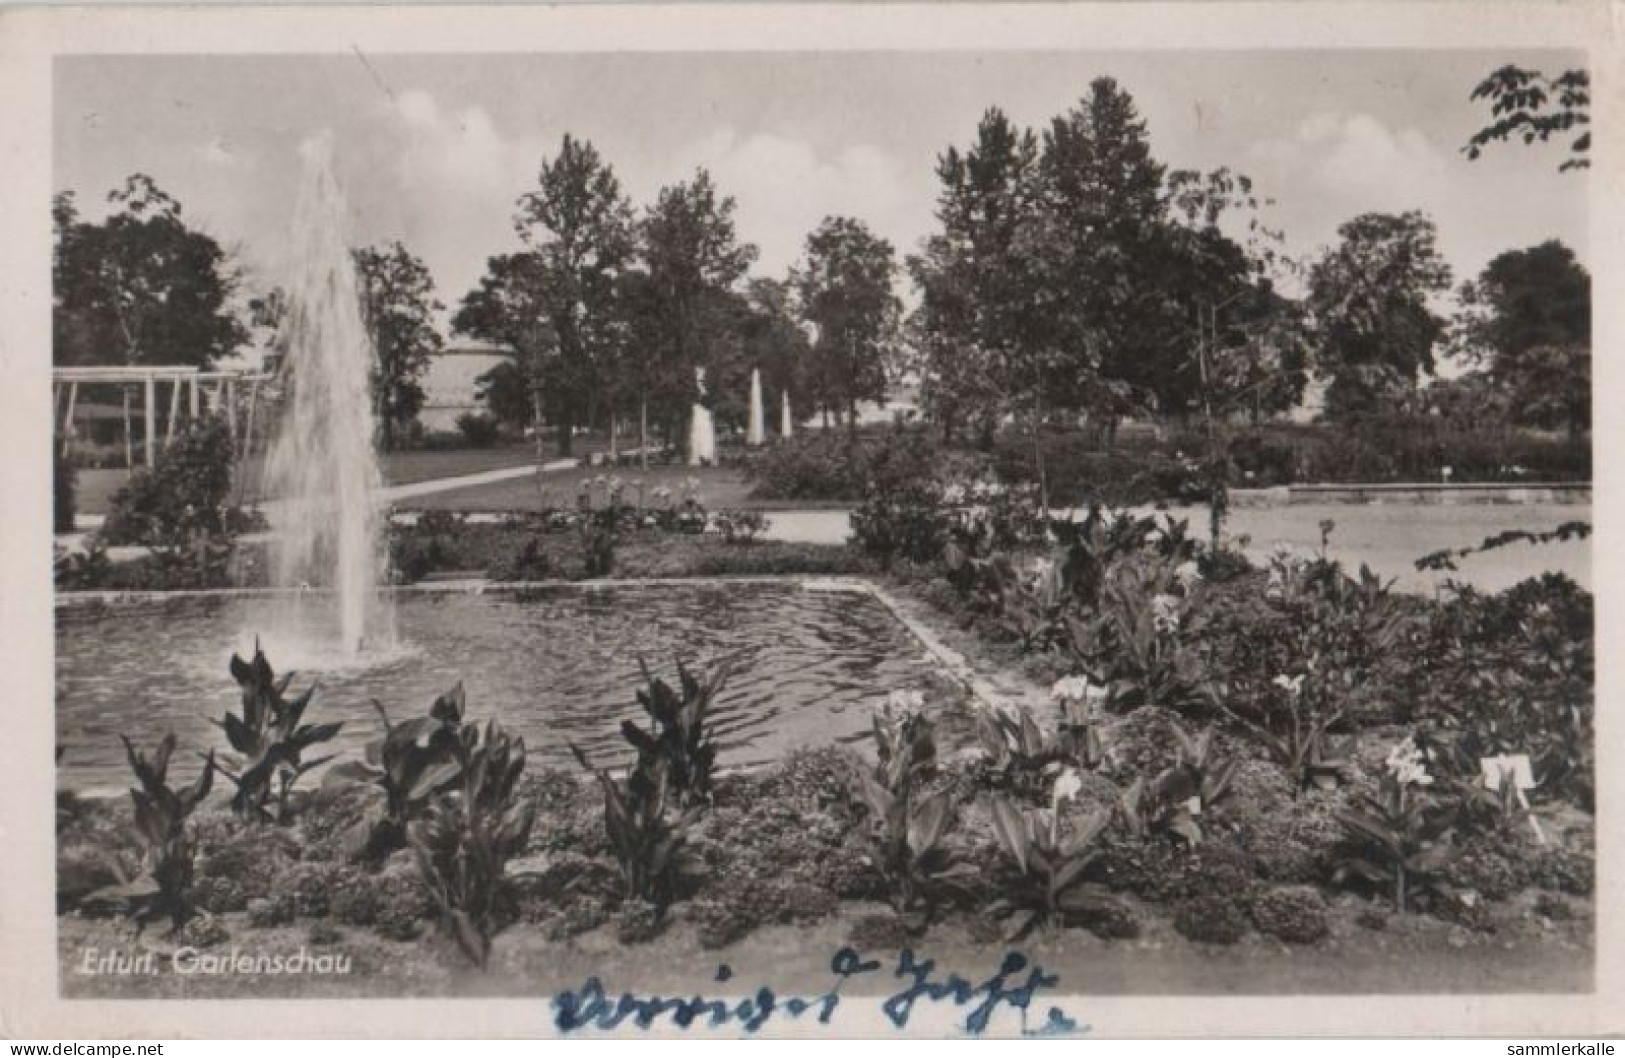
{"x":435,"y":150}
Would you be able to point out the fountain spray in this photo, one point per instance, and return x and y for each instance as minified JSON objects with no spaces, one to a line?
{"x":322,"y":469}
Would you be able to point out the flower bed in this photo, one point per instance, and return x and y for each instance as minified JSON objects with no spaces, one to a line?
{"x":1226,"y":762}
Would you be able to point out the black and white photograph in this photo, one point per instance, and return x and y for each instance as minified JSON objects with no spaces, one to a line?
{"x":720,"y":534}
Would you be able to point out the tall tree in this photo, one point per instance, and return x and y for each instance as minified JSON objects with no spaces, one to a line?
{"x":578,"y":224}
{"x":694,"y":260}
{"x":1375,"y":328}
{"x":976,"y":326}
{"x":844,"y":284}
{"x":1250,"y":342}
{"x":1527,"y":319}
{"x":1100,"y":245}
{"x":140,"y":287}
{"x":398,"y":307}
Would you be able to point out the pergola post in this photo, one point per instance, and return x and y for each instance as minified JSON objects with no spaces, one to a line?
{"x":192,"y":401}
{"x":149,"y":410}
{"x":228,"y":387}
{"x":129,"y":446}
{"x":174,"y":411}
{"x":67,"y":420}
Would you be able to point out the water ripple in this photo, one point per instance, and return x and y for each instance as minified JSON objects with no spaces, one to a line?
{"x":556,"y":666}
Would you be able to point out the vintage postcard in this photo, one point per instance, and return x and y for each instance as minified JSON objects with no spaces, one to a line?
{"x":777,"y":520}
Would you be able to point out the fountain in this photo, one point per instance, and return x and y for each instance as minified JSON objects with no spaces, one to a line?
{"x":321,"y":471}
{"x":756,"y":431}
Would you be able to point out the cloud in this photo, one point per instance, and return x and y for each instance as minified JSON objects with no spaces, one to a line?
{"x":1338,"y":165}
{"x":223,"y":153}
{"x":450,"y":183}
{"x":461,"y":151}
{"x":784,"y":188}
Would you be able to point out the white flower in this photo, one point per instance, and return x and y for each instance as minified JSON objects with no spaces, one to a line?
{"x":1189,"y":574}
{"x":954,"y":494}
{"x":1165,"y":612}
{"x":1404,"y":763}
{"x":1067,"y":787}
{"x":1293,"y":685}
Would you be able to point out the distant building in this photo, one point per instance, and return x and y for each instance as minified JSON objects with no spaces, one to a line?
{"x":450,"y":385}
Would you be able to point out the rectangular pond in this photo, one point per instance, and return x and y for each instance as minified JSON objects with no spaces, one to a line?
{"x":556,"y":665}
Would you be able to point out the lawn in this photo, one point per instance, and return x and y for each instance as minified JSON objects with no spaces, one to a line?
{"x":96,"y":488}
{"x":719,"y":488}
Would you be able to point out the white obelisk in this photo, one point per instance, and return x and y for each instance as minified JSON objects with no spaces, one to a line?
{"x":755,"y":431}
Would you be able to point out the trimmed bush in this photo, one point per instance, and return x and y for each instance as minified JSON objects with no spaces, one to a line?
{"x":1296,"y":914}
{"x":1211,"y":918}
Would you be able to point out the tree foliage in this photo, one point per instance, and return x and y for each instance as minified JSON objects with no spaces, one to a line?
{"x":1530,"y":106}
{"x":975,"y":328}
{"x":398,"y":307}
{"x":844,"y":283}
{"x":140,"y":287}
{"x":1370,"y":298}
{"x":687,"y":312}
{"x":555,"y":303}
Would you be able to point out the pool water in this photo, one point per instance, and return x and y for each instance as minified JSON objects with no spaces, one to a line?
{"x":554,"y":665}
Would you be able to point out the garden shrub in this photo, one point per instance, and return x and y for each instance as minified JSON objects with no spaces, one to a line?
{"x":1513,"y":672}
{"x":721,"y":923}
{"x":183,"y":497}
{"x":1140,"y":743}
{"x":1295,"y":914}
{"x":828,"y":465}
{"x":271,"y":912}
{"x":478,"y":430}
{"x":1564,"y":870}
{"x":1298,"y":841}
{"x":880,"y":933}
{"x":1115,"y":923}
{"x":1494,"y":869}
{"x":323,"y":934}
{"x":582,"y":916}
{"x":639,"y":921}
{"x":202,"y":931}
{"x":901,"y":515}
{"x":1212,"y":918}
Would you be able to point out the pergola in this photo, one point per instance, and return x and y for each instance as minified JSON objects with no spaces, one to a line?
{"x":214,"y":391}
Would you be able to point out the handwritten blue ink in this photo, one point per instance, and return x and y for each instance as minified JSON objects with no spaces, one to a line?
{"x":1015,"y":985}
{"x":591,"y":1005}
{"x":993,"y":992}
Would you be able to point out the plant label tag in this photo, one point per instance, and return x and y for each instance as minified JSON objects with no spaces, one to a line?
{"x":1194,"y":806}
{"x":1514,"y":764}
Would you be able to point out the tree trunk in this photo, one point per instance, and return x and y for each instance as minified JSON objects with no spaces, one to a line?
{"x":643,"y":434}
{"x":536,"y":424}
{"x":1038,"y":445}
{"x":566,"y":433}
